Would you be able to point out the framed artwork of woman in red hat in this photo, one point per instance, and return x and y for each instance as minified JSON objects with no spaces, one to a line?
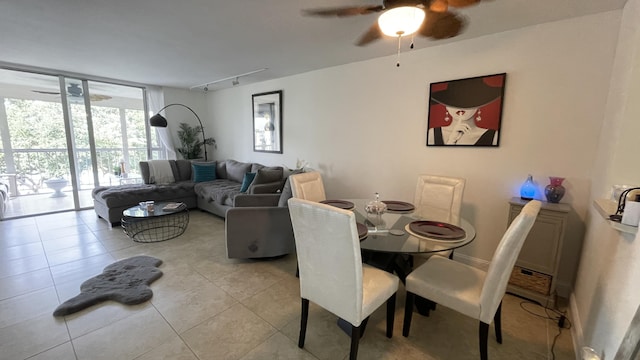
{"x":466,"y":112}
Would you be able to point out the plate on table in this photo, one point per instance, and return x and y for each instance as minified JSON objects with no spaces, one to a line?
{"x":342,"y":204}
{"x":398,"y":206}
{"x":436,"y":230}
{"x":362,"y":231}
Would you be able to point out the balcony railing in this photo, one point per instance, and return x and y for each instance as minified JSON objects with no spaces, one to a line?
{"x":34,"y":166}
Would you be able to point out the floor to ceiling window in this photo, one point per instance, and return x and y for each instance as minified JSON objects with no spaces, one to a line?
{"x":62,"y":136}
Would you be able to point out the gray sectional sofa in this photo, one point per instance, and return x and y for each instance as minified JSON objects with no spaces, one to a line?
{"x":215,"y":196}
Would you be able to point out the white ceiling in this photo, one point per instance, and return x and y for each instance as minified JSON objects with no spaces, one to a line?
{"x":191,"y":42}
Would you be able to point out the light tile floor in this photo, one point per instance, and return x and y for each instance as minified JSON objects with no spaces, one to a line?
{"x":206,"y":306}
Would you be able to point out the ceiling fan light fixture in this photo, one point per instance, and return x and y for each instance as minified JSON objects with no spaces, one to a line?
{"x":401,"y":21}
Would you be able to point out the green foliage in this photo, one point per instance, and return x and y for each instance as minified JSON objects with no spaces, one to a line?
{"x":37,"y":133}
{"x":191,"y":141}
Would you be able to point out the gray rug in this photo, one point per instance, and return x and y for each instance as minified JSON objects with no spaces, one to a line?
{"x":126,"y":281}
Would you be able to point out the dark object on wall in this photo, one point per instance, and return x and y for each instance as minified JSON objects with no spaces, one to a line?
{"x":466,"y":112}
{"x":267,"y":122}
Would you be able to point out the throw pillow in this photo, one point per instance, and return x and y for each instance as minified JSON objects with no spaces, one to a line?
{"x":286,"y":194}
{"x":268,"y":175}
{"x":246,"y":181}
{"x":203,"y":172}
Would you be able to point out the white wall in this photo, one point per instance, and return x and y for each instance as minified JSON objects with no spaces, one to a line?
{"x":178,"y":114}
{"x":363,"y":125}
{"x":606,"y":291}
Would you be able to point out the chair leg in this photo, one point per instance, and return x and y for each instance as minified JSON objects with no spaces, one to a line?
{"x":391,"y":313}
{"x":355,"y":340}
{"x":424,"y":306}
{"x":484,"y":336}
{"x":408,"y":311}
{"x":497,"y":324}
{"x":303,"y":322}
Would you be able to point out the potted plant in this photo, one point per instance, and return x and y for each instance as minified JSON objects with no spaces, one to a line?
{"x":116,"y":170}
{"x":191,"y":141}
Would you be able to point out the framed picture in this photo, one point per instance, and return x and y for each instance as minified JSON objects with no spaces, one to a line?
{"x":267,"y":122}
{"x":466,"y":112}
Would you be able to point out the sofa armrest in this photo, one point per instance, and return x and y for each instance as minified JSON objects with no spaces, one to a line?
{"x":266,"y":188}
{"x":243,"y":200}
{"x":255,"y":232}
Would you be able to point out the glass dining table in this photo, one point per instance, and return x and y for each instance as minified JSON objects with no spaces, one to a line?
{"x":390,"y":246}
{"x":391,"y":236}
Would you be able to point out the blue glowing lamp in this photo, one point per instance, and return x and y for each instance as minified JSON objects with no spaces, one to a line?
{"x":528,"y":189}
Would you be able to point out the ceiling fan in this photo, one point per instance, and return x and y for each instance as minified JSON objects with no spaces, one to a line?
{"x":436,"y":23}
{"x":74,"y":91}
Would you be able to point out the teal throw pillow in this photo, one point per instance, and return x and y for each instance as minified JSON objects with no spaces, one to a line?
{"x":203,"y":172}
{"x":246,"y":181}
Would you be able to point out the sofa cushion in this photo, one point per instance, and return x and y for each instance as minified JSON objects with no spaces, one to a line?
{"x":161,"y":171}
{"x":255,"y":167}
{"x":221,"y":169}
{"x":236,"y":170}
{"x":184,"y":170}
{"x":203,"y":172}
{"x":146,"y":173}
{"x":220,"y":191}
{"x":246,"y":181}
{"x":123,"y":195}
{"x":267,"y":175}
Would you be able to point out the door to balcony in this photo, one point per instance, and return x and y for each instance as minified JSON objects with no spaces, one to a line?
{"x":60,"y":137}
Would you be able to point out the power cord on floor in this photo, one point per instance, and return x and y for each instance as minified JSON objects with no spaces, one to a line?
{"x":559,"y":317}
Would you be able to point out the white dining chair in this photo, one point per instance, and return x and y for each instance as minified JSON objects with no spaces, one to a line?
{"x":331,"y":271}
{"x":439,"y":198}
{"x":308,"y":186}
{"x":468,"y":290}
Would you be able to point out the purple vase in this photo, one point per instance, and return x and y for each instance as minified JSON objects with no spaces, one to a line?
{"x":554,"y":191}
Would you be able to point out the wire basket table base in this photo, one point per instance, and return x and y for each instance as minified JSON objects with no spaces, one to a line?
{"x":156,"y":228}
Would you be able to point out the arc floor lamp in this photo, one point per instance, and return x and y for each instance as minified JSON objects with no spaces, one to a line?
{"x":158,"y":120}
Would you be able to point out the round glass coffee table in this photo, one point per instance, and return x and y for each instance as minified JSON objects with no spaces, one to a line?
{"x":167,"y":221}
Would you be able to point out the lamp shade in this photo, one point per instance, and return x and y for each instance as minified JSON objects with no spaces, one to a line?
{"x":158,"y":120}
{"x":401,"y":21}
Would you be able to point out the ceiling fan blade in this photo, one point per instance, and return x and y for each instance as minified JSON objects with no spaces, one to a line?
{"x":98,"y":97}
{"x":374,"y":33}
{"x":439,"y":5}
{"x":442,"y":25}
{"x":46,"y":92}
{"x":462,"y":3}
{"x":343,"y":11}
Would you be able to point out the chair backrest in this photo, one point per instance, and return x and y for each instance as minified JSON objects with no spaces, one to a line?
{"x":495,"y":284}
{"x":329,"y":257}
{"x":308,"y":186}
{"x":439,"y":198}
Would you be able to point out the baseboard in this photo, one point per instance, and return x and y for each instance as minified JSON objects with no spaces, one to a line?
{"x":563,"y":289}
{"x":577,"y":334}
